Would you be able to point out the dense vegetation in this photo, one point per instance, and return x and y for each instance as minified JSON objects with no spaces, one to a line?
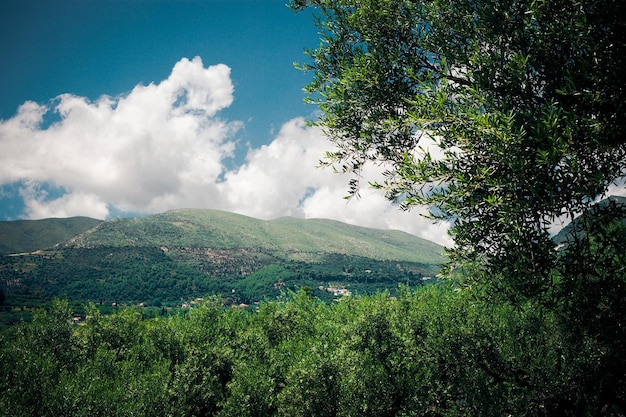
{"x":504,"y":118}
{"x":434,"y":351}
{"x":30,"y":235}
{"x":500,"y":116}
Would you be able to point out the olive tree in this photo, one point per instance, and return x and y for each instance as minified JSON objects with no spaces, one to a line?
{"x":501,"y":116}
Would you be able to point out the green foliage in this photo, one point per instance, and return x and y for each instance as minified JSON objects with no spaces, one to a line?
{"x":524,"y":101}
{"x":500,"y":116}
{"x":171,"y":258}
{"x":31,"y":235}
{"x":133,"y":275}
{"x":433,"y":351}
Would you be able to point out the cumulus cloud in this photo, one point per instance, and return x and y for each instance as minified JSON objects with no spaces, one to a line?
{"x":68,"y":205}
{"x":277,"y":178}
{"x":163,"y":146}
{"x":280,"y":179}
{"x":159,"y":145}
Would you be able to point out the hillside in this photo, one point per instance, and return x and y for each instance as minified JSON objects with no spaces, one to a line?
{"x":566,"y":233}
{"x":173,"y":257}
{"x":31,"y":235}
{"x":288,"y":237}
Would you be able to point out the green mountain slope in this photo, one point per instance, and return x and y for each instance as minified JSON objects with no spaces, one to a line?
{"x":565,"y":234}
{"x":31,"y":235}
{"x":168,"y":258}
{"x":286,"y":236}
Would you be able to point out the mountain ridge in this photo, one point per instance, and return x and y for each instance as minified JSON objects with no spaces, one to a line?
{"x":183,"y":254}
{"x":30,"y":235}
{"x":225,"y":230}
{"x":567,"y":232}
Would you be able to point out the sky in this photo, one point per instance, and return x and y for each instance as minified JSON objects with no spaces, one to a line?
{"x":112,"y":108}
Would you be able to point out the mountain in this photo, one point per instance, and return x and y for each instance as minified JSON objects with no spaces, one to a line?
{"x":167,"y":258}
{"x":286,"y":237}
{"x":31,"y":235}
{"x":565,"y":234}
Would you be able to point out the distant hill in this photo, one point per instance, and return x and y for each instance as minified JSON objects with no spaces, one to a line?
{"x":287,"y":237}
{"x":167,"y":258}
{"x":31,"y":235}
{"x":566,"y":233}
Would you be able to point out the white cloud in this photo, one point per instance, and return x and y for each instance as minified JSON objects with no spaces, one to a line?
{"x":280,"y":179}
{"x":158,"y":146}
{"x":68,"y":205}
{"x":162,"y":146}
{"x":618,"y":188}
{"x":277,"y":177}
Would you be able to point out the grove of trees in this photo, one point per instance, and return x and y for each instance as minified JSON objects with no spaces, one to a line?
{"x":435,"y":351}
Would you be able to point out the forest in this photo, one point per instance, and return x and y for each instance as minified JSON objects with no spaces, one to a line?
{"x":443,"y":349}
{"x":149,"y":277}
{"x":432,"y":351}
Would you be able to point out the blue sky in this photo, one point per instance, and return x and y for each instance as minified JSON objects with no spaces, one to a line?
{"x":111,"y":108}
{"x":95,"y":47}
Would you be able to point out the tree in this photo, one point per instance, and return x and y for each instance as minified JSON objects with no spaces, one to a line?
{"x":501,"y":116}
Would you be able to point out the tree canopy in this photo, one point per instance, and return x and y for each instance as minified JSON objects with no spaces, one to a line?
{"x":429,"y":352}
{"x":501,"y":116}
{"x":504,"y":118}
